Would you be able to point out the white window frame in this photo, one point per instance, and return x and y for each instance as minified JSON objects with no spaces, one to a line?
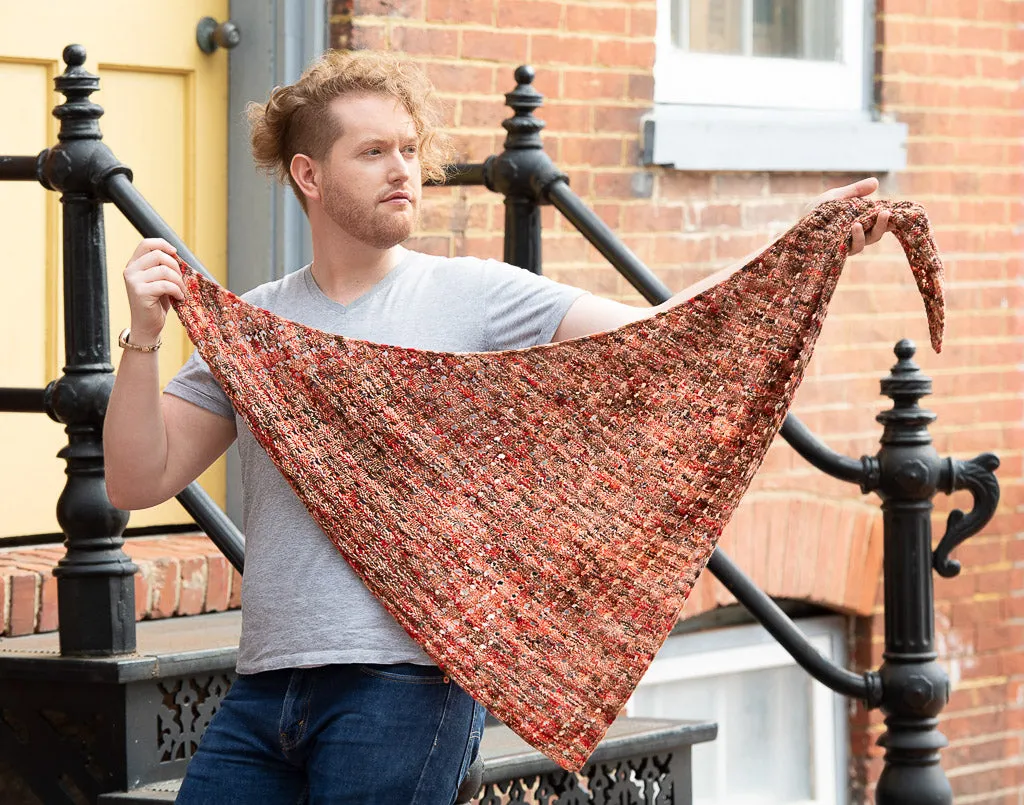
{"x":758,"y":82}
{"x":751,"y":648}
{"x":736,"y":113}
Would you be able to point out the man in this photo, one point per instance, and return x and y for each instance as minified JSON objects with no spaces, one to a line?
{"x":334,"y":702}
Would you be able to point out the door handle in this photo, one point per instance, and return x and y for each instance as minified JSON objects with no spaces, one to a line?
{"x":211,"y":35}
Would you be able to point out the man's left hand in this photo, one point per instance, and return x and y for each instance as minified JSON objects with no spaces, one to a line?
{"x":858,"y":237}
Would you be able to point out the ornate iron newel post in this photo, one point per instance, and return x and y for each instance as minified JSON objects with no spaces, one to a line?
{"x":907,"y":474}
{"x":95,"y":588}
{"x":521,"y":173}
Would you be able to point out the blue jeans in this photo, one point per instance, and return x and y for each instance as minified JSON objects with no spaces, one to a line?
{"x":382,"y":734}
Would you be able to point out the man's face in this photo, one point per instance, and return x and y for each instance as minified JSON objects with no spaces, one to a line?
{"x":371,"y":183}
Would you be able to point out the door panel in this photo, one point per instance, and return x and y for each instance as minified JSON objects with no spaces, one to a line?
{"x":165,"y":106}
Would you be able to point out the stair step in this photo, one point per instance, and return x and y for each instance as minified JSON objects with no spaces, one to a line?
{"x":203,"y":640}
{"x":506,"y":756}
{"x":200,"y":650}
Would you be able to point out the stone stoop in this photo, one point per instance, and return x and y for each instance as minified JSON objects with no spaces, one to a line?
{"x":73,"y":729}
{"x":179,"y":574}
{"x":640,"y":760}
{"x":122,"y":729}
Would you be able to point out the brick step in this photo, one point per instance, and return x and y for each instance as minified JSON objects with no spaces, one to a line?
{"x":179,"y":574}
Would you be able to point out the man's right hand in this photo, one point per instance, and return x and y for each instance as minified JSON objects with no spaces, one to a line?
{"x":152,"y":279}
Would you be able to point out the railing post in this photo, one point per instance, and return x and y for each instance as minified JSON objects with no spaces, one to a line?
{"x":521,"y":172}
{"x":915,"y":687}
{"x":522,"y":212}
{"x":95,"y":588}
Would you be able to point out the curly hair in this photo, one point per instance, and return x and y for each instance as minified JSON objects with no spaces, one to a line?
{"x":296,"y":119}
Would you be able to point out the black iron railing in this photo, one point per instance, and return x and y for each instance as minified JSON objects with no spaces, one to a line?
{"x":94,"y":578}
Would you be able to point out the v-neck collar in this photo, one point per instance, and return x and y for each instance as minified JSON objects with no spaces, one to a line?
{"x":384,"y":282}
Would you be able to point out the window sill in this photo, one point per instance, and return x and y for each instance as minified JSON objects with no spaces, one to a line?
{"x":714,"y":138}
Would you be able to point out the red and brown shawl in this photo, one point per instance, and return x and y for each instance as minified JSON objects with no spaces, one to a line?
{"x":535,"y":518}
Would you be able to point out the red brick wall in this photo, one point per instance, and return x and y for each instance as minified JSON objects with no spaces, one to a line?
{"x":951,"y":70}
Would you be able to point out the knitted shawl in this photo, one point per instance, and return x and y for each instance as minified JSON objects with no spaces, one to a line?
{"x":535,"y":518}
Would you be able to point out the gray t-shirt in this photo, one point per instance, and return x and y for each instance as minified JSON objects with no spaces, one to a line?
{"x":302,"y":604}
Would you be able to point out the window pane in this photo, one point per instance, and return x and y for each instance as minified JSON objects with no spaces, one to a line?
{"x":716,"y":26}
{"x":763,"y":753}
{"x":796,"y":29}
{"x":790,"y":29}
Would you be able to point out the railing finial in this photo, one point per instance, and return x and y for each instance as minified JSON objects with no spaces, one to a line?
{"x":906,"y":422}
{"x":79,"y":116}
{"x":523,"y":128}
{"x":74,"y":56}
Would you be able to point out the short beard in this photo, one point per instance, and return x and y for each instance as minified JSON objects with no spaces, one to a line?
{"x":384,"y":233}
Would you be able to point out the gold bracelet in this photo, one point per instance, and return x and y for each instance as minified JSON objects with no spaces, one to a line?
{"x":124,"y":343}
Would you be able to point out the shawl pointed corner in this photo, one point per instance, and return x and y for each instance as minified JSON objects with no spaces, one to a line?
{"x":909,"y":224}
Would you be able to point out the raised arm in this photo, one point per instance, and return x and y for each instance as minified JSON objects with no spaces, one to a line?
{"x":594,"y":314}
{"x":154,"y":445}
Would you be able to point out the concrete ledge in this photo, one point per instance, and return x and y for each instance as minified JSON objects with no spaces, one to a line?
{"x":166,"y":648}
{"x":710,"y":138}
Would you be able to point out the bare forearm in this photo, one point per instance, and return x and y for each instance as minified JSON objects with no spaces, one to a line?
{"x":134,"y":434}
{"x":594,"y":314}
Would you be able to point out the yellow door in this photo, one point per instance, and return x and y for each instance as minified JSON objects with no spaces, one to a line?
{"x":165,"y":105}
